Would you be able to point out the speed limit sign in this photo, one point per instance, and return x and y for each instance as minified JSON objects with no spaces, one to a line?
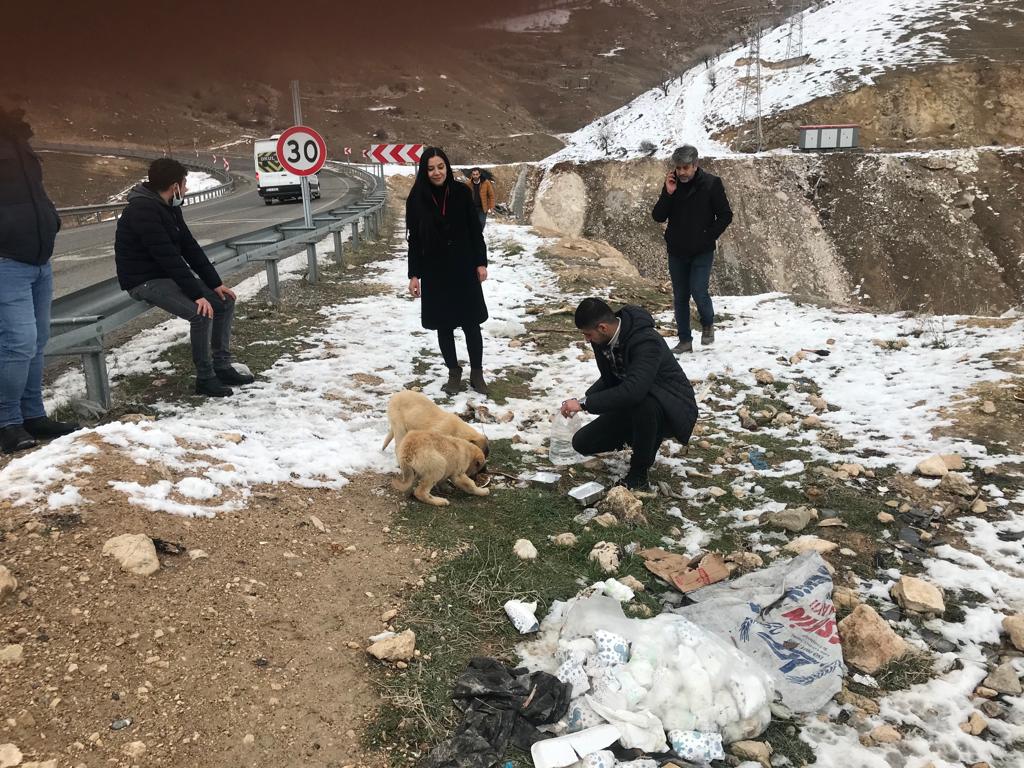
{"x":301,"y":150}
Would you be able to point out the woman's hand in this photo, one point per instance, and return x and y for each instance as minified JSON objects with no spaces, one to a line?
{"x":414,"y":287}
{"x":481,"y":273}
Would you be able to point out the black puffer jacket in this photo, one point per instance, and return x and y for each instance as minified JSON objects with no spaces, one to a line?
{"x":649,"y":368}
{"x":697,"y":214}
{"x":153,"y":242}
{"x":28,"y":219}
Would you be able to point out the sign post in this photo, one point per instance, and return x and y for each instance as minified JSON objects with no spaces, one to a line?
{"x":302,"y":151}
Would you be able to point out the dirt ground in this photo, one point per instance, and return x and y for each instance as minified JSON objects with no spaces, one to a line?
{"x":88,"y":179}
{"x":252,"y":639}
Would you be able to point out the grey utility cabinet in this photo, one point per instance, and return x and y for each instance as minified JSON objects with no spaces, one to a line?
{"x":825,"y":138}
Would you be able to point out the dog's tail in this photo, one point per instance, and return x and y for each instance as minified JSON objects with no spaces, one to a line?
{"x":405,"y":482}
{"x":387,"y":440}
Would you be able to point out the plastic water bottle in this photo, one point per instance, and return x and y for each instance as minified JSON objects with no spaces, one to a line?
{"x":560,"y":450}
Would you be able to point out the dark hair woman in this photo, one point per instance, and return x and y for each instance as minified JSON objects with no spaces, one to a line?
{"x":447,"y":264}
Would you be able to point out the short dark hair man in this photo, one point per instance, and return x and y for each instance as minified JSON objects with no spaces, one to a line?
{"x":28,"y":228}
{"x":158,"y":261}
{"x":695,"y":205}
{"x":642,"y":397}
{"x":483,"y":195}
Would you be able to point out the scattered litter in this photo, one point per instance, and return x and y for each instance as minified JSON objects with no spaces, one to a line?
{"x":501,"y":706}
{"x":684,"y":573}
{"x":697,"y":746}
{"x":587,"y":493}
{"x":542,"y":478}
{"x":584,"y":517}
{"x":615,"y":589}
{"x":568,"y":749}
{"x":757,"y":459}
{"x":523,"y":616}
{"x":783,"y":617}
{"x":560,"y":450}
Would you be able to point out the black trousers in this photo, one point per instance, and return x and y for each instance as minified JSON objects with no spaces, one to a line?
{"x":474,"y":345}
{"x":643,"y":428}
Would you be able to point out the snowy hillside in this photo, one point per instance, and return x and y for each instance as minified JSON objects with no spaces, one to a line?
{"x":847,"y":44}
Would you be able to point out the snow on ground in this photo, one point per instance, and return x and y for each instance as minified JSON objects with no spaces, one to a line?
{"x":309,"y":422}
{"x":542,"y":21}
{"x":849,"y":44}
{"x":200,"y":181}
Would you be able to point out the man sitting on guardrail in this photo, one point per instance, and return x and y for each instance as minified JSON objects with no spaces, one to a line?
{"x":160,"y":262}
{"x":28,"y":226}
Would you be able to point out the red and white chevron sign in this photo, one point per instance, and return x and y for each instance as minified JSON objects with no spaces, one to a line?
{"x":402,"y":154}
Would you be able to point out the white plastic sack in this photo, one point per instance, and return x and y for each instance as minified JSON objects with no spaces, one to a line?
{"x":783,"y":618}
{"x":668,"y":672}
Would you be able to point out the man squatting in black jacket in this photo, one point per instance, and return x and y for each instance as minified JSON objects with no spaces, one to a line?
{"x":642,"y":397}
{"x":158,"y":261}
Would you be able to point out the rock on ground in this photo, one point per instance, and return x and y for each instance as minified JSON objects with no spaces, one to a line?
{"x":10,"y":756}
{"x":135,"y":552}
{"x":869,"y":643}
{"x":564,"y":540}
{"x":917,"y":595}
{"x":793,"y":520}
{"x":958,"y":485}
{"x":811,"y":543}
{"x":933,"y":466}
{"x":1004,"y":679}
{"x":8,"y":584}
{"x":1014,"y":627}
{"x":400,"y":647}
{"x":759,"y":751}
{"x":845,"y":599}
{"x":11,"y":655}
{"x":624,"y":505}
{"x":633,"y":583}
{"x":524,"y":549}
{"x":606,"y":555}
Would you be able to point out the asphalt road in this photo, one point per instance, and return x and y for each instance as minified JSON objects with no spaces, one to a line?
{"x":85,"y":255}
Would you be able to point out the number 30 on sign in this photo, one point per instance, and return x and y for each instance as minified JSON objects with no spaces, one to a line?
{"x":301,"y":150}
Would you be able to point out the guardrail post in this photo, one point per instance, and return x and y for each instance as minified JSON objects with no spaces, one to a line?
{"x":313,"y":275}
{"x":273,"y":283}
{"x":94,"y":364}
{"x":355,"y":234}
{"x":339,"y":249}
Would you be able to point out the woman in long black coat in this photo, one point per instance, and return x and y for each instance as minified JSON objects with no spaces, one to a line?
{"x":447,"y":264}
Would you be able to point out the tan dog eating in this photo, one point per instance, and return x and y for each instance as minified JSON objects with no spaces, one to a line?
{"x":427,"y":458}
{"x":408,"y":410}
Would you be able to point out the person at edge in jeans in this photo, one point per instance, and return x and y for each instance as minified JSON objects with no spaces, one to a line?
{"x":695,"y":205}
{"x":642,"y":397}
{"x":447,"y":264}
{"x":28,"y":227}
{"x":158,"y":261}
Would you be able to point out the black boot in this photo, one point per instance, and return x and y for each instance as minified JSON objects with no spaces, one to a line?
{"x":636,"y":480}
{"x":14,"y":438}
{"x":213,"y":387}
{"x":454,"y":383}
{"x":229,"y":375}
{"x":45,"y":427}
{"x":476,"y":381}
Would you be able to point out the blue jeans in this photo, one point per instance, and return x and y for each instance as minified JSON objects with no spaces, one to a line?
{"x":25,"y":294}
{"x":483,"y":218}
{"x":690,"y":277}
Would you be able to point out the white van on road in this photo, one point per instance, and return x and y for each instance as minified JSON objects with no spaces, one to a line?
{"x":273,"y":182}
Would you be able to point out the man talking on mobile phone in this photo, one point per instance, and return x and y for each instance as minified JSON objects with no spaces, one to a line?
{"x":694,"y":204}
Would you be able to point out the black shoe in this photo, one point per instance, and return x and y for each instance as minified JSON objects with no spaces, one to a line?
{"x":232,"y":376}
{"x":635,"y":481}
{"x":707,"y":335}
{"x":476,"y":381}
{"x":683,"y":346}
{"x":15,"y":438}
{"x":213,"y":387}
{"x":454,"y":383}
{"x":45,"y":427}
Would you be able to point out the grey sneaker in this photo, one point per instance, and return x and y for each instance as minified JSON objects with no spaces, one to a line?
{"x":707,"y":335}
{"x":683,"y":346}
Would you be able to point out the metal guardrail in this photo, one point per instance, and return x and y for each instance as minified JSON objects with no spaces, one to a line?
{"x":81,"y":319}
{"x":82,"y":214}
